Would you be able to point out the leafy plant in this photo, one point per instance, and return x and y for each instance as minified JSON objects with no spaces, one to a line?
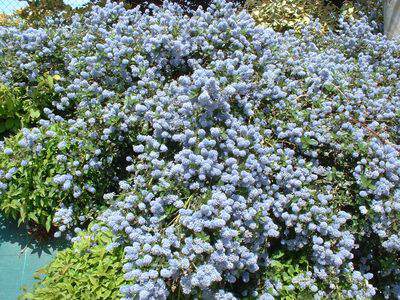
{"x":285,"y":271}
{"x":22,"y":106}
{"x":294,"y":14}
{"x":87,"y":270}
{"x":35,"y":182}
{"x":7,"y":20}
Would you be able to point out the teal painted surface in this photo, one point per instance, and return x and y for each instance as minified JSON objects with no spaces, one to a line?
{"x":20,"y":257}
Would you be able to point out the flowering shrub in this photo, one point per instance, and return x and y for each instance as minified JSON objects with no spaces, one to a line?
{"x":51,"y":165}
{"x":234,"y":161}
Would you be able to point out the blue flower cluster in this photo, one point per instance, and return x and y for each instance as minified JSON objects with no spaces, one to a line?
{"x":214,"y":143}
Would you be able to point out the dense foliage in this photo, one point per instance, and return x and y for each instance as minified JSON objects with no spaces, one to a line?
{"x":34,"y":14}
{"x":227,"y":159}
{"x":88,"y":270}
{"x":7,"y":20}
{"x":294,"y":14}
{"x":21,"y":106}
{"x":38,"y":173}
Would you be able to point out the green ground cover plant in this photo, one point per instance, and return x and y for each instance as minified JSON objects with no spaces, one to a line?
{"x":87,"y":270}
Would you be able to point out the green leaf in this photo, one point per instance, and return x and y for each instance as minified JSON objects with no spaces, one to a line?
{"x":366,"y":182}
{"x":20,"y":221}
{"x":94,"y":281}
{"x":48,"y":223}
{"x":106,"y":294}
{"x":313,"y":142}
{"x":34,"y":114}
{"x":50,"y":81}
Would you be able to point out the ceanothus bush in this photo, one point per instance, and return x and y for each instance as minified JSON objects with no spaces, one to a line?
{"x":232,"y":161}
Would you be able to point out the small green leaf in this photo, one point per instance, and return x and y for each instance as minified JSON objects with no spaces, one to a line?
{"x":366,"y":182}
{"x":48,"y":223}
{"x":313,"y":142}
{"x":34,"y":114}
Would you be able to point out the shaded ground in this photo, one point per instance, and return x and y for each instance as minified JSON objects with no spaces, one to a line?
{"x":20,"y":257}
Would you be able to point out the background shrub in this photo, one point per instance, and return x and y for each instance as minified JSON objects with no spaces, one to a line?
{"x":7,"y":20}
{"x":294,"y":14}
{"x":37,"y":11}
